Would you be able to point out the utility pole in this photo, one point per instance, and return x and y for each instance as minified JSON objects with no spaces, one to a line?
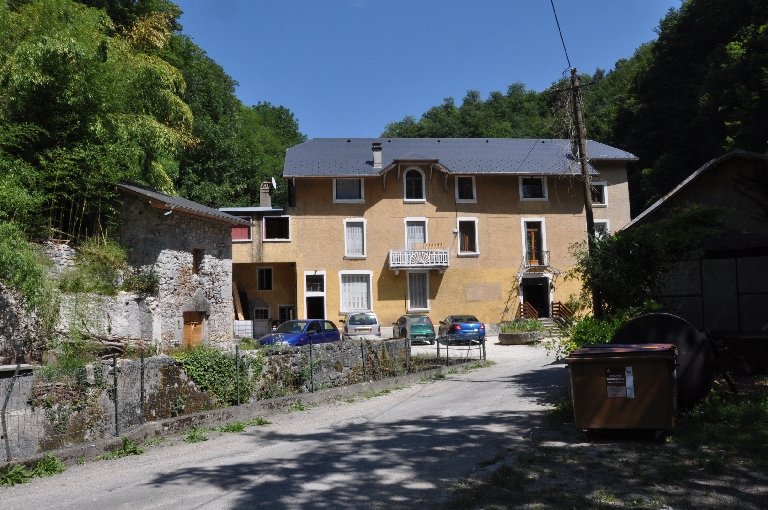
{"x":578,"y":114}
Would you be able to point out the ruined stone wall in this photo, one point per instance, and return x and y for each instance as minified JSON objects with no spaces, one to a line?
{"x":165,"y":243}
{"x":16,"y":328}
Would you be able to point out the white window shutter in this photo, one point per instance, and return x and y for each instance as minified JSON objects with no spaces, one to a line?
{"x":354,"y":288}
{"x":355,"y":239}
{"x":417,"y":233}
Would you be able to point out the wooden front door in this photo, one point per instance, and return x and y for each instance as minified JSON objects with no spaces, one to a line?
{"x":193,"y":328}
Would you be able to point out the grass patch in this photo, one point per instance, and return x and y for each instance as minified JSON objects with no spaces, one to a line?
{"x":196,"y":435}
{"x":48,"y":466}
{"x":734,"y":423}
{"x":11,"y":475}
{"x":233,"y":428}
{"x":297,"y":406}
{"x":154,"y":441}
{"x":257,"y":422}
{"x":127,"y":448}
{"x":430,"y":378}
{"x":248,"y":344}
{"x":562,"y":412}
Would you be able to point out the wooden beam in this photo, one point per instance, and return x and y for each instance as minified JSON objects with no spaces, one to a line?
{"x":236,"y":300}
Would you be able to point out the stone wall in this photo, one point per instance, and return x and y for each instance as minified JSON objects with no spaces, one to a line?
{"x":16,"y":328}
{"x":51,"y":409}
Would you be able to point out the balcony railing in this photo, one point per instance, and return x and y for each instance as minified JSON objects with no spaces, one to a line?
{"x":536,"y":258}
{"x":419,"y":259}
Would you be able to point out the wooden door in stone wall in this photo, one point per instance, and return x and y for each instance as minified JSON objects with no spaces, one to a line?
{"x":193,"y":328}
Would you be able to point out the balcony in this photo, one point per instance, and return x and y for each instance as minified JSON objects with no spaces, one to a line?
{"x":536,"y":259}
{"x":423,"y":256}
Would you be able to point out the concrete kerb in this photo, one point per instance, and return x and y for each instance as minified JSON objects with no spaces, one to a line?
{"x":217,"y":417}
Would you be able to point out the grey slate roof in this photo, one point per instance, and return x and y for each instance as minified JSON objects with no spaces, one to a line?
{"x":352,"y":157}
{"x":179,"y":204}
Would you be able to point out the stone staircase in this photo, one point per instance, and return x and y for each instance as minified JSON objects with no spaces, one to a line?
{"x":552,"y":327}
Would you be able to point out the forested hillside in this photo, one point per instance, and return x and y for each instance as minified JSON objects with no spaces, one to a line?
{"x":697,"y":91}
{"x":96,"y":91}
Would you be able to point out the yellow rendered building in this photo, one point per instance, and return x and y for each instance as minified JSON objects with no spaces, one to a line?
{"x":434,"y":226}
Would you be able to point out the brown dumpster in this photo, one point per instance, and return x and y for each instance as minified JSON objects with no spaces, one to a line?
{"x":620,"y":386}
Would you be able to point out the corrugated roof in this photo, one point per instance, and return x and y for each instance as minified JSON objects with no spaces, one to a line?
{"x":685,"y":182}
{"x":178,"y":204}
{"x":352,"y":157}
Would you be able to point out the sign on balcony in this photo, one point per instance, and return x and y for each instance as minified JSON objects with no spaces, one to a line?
{"x":418,"y":259}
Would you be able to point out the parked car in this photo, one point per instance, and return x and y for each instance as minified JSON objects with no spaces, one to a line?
{"x":462,"y":329}
{"x":361,"y":326}
{"x":299,"y":332}
{"x":422,"y":329}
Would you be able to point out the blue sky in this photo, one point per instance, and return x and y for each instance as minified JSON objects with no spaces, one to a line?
{"x":346,"y":68}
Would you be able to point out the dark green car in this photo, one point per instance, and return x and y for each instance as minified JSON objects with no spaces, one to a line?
{"x":421,"y":328}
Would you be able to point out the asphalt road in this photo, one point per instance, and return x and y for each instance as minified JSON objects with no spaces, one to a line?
{"x":400,"y":450}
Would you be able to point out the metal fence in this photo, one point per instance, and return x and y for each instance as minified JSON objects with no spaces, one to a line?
{"x":50,"y":407}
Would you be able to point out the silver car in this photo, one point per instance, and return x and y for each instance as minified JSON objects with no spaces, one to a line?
{"x":361,"y":326}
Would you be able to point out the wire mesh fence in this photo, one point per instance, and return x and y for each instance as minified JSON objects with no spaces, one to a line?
{"x":50,"y":407}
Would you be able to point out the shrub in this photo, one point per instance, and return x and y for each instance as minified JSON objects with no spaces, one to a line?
{"x":216,"y":372}
{"x":524,"y":325}
{"x":141,"y":281}
{"x":98,"y":268}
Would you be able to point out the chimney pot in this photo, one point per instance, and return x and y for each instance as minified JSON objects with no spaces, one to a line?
{"x":376,"y":147}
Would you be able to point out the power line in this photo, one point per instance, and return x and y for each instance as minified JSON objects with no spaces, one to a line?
{"x":561,"y":33}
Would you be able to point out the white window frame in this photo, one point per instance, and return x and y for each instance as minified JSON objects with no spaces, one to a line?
{"x":347,"y":256}
{"x":341,"y":289}
{"x":543,"y":188}
{"x":258,"y":279}
{"x":607,"y":224}
{"x":308,"y":294}
{"x":423,"y":186}
{"x":264,"y":229}
{"x":249,"y":219}
{"x":523,"y":221}
{"x":408,"y":282}
{"x":360,"y":200}
{"x":473,"y":200}
{"x":605,"y":193}
{"x":414,"y":218}
{"x":460,"y":253}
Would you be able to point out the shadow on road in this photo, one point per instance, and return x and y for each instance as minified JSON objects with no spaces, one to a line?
{"x":367,"y":465}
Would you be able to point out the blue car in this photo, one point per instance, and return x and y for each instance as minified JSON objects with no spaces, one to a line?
{"x":299,"y":332}
{"x":462,"y":329}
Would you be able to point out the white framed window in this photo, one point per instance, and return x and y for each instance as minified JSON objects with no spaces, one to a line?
{"x":285,"y":313}
{"x":242,"y":233}
{"x":277,"y":228}
{"x":468,"y":237}
{"x":466,"y":192}
{"x":599,"y":194}
{"x":348,"y":191}
{"x":534,"y":241}
{"x":418,"y":291}
{"x":533,"y":188}
{"x":414,"y":185}
{"x":355,"y":246}
{"x":356,"y":289}
{"x":415,"y":232}
{"x":602,"y":228}
{"x":264,"y":279}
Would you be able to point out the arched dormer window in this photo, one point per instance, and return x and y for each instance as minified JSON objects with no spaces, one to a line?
{"x":414,"y":185}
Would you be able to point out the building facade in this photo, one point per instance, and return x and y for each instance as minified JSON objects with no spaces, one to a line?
{"x":441,"y":227}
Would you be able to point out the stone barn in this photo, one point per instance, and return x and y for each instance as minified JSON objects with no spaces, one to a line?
{"x":188,"y":249}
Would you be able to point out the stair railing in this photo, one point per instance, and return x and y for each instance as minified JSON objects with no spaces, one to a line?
{"x":561,"y":310}
{"x":527,"y":311}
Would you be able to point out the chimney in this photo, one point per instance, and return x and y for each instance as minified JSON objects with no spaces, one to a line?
{"x":376,"y":154}
{"x":265,"y":194}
